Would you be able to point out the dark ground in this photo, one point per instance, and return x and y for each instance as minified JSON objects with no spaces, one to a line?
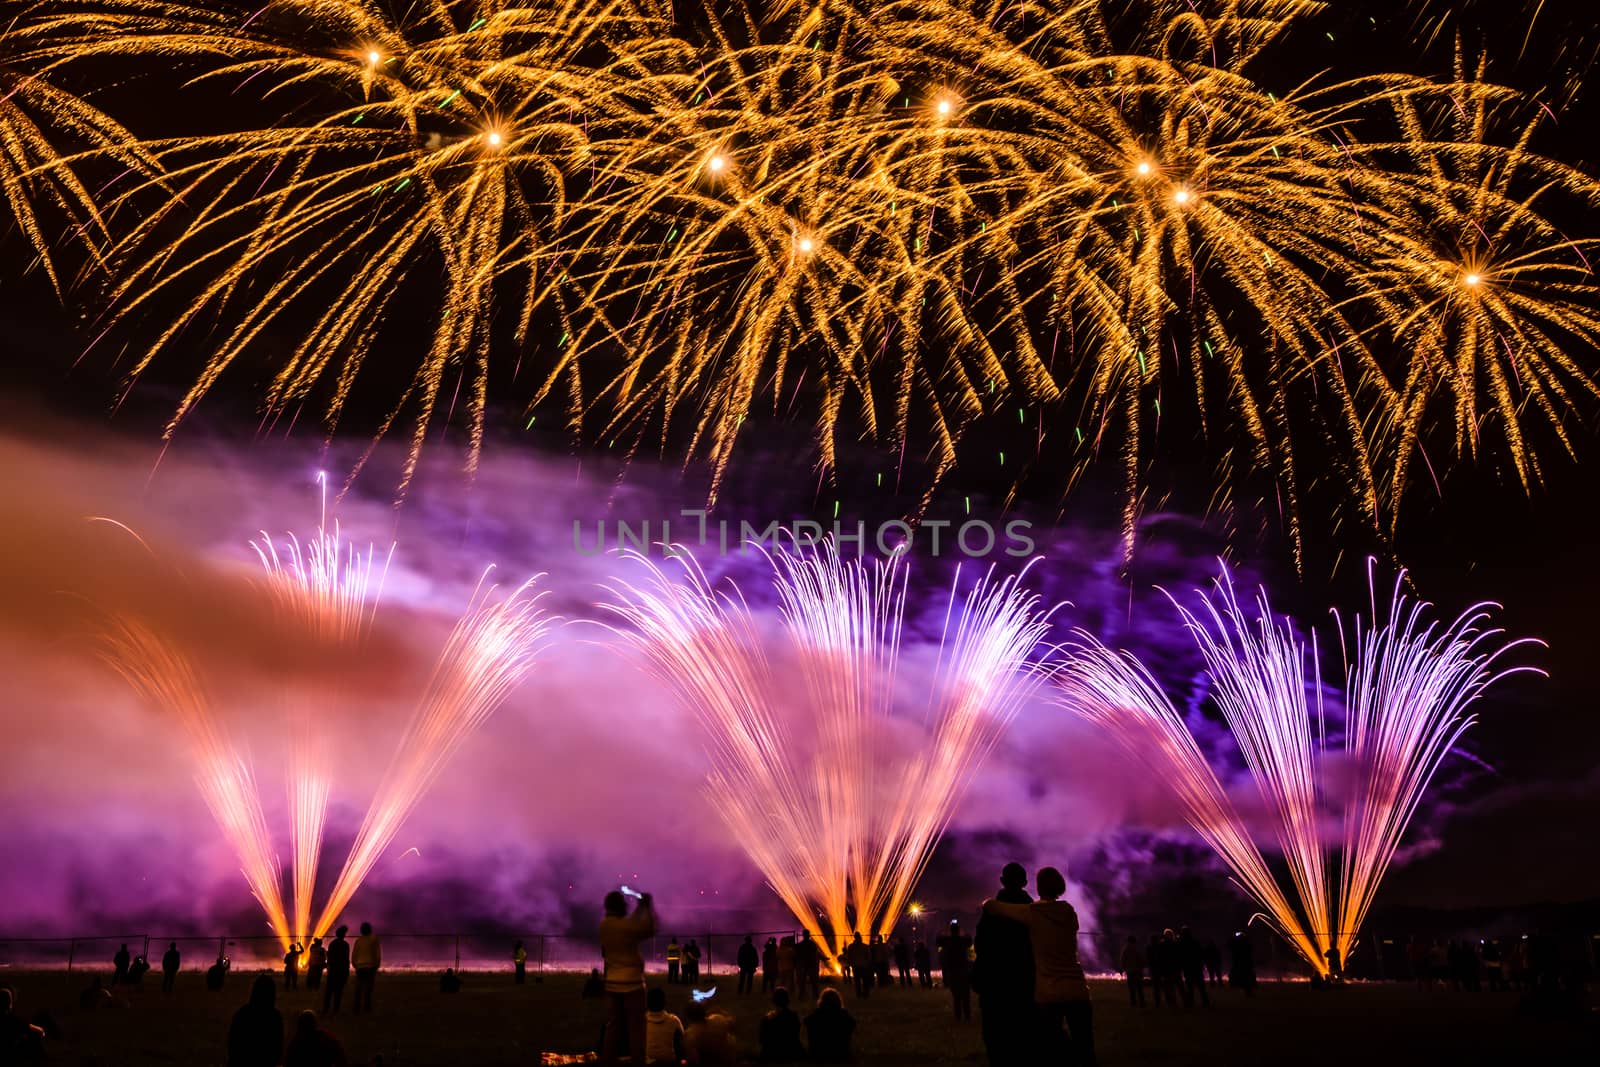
{"x":495,"y":1022}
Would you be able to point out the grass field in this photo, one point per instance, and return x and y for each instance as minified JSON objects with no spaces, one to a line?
{"x":493,"y":1021}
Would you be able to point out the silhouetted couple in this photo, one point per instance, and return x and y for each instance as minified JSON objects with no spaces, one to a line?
{"x":1031,"y":986}
{"x":828,"y":1030}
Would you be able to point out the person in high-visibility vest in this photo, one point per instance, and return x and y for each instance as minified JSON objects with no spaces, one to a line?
{"x":519,"y":958}
{"x":674,"y":959}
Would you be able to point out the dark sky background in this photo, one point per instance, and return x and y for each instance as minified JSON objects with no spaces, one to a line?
{"x":1519,"y":830}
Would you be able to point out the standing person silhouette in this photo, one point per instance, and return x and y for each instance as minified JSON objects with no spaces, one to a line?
{"x":366,"y":957}
{"x":119,"y":963}
{"x":769,"y":965}
{"x":807,"y":966}
{"x":338,"y":972}
{"x":1059,"y":989}
{"x":519,"y":962}
{"x":1003,"y":976}
{"x":955,"y":967}
{"x":860,"y":957}
{"x":291,"y":968}
{"x":902,"y":961}
{"x":691,"y":962}
{"x":620,"y":936}
{"x":316,"y":963}
{"x":674,"y":960}
{"x":169,"y":967}
{"x":1132,"y":963}
{"x":749,"y":959}
{"x":1192,"y":962}
{"x":922,"y":960}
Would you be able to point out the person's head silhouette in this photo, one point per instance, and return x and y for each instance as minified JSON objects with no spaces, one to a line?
{"x":617,"y":904}
{"x":341,"y":932}
{"x":657,"y":1000}
{"x":1050,"y":883}
{"x":366,"y":929}
{"x":1013,"y":876}
{"x":780,"y":998}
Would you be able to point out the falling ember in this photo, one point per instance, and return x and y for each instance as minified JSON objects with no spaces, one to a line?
{"x":1408,"y":684}
{"x":839,"y":823}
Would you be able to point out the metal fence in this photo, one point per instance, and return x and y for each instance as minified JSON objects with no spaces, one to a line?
{"x":1379,"y":955}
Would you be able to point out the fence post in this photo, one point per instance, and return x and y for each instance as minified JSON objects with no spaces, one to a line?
{"x":458,"y":953}
{"x":72,"y":951}
{"x":147,"y":948}
{"x":540,"y":976}
{"x":709,"y":939}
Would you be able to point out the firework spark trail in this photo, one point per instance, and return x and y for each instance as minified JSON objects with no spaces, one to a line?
{"x":332,"y":590}
{"x":890,"y":203}
{"x":1260,"y":681}
{"x":1408,"y":684}
{"x":166,"y":680}
{"x":1114,"y":691}
{"x":489,"y":652}
{"x":840,"y":825}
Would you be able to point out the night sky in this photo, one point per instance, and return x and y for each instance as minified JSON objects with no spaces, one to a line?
{"x":1512,"y":825}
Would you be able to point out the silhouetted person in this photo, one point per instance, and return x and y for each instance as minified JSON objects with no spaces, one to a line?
{"x":807,"y":966}
{"x":217,"y":974}
{"x":620,"y":935}
{"x":674,"y":960}
{"x":137,"y":970}
{"x":316,"y":963}
{"x":902,"y":961}
{"x":96,"y":996}
{"x":594,"y":986}
{"x":366,"y":957}
{"x":1335,"y":962}
{"x":449,"y":981}
{"x":519,"y":963}
{"x":769,"y":965}
{"x":312,"y":1046}
{"x":169,"y":967}
{"x":255,"y":1037}
{"x":859,"y":953}
{"x":880,"y":963}
{"x":955,"y":967}
{"x":691,"y":962}
{"x":922,"y":960}
{"x":1192,"y":963}
{"x":749,"y":959}
{"x":787,"y":961}
{"x":663,"y":1031}
{"x":1492,"y":966}
{"x":1003,"y":976}
{"x":828,"y":1029}
{"x":1060,"y":991}
{"x":780,"y":1031}
{"x":120,"y":962}
{"x":1132,"y":964}
{"x":1213,"y":958}
{"x":1165,"y":972}
{"x":291,"y":968}
{"x":708,"y":1038}
{"x":1242,"y":972}
{"x":338,"y":972}
{"x":20,"y":1041}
